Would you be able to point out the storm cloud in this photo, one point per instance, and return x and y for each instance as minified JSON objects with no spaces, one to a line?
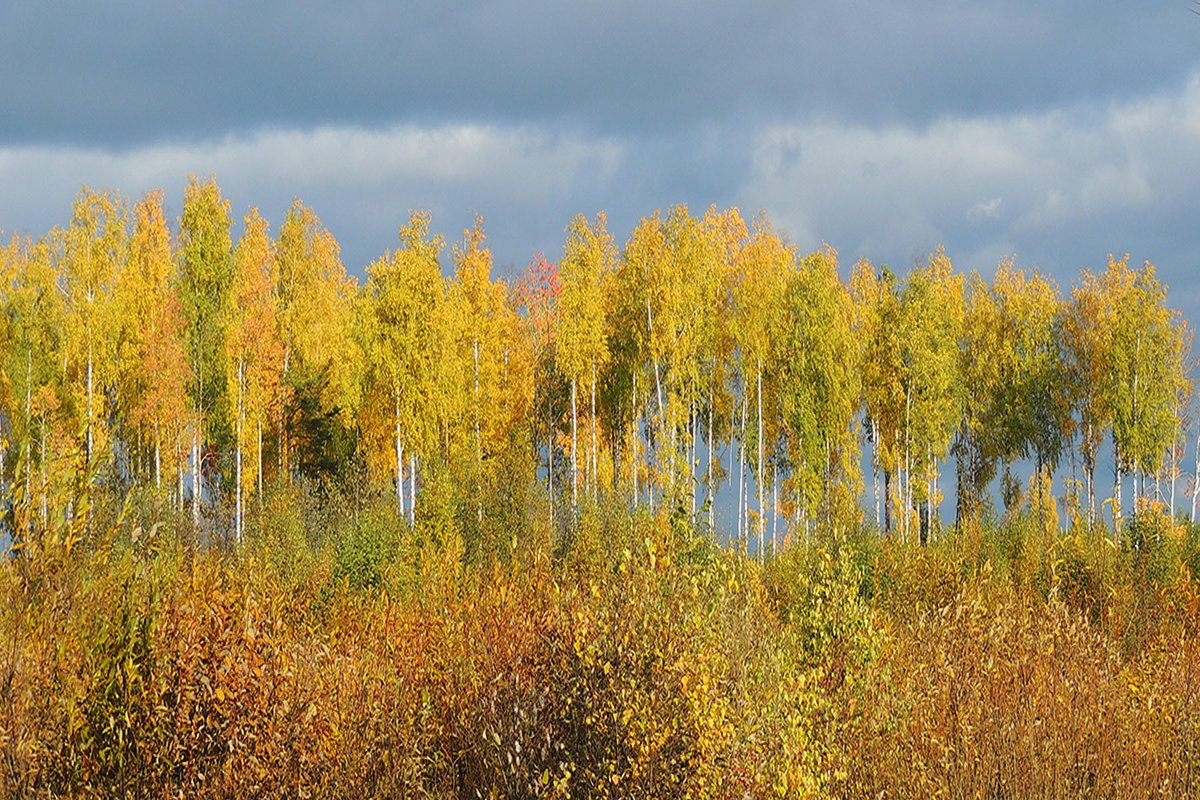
{"x":1055,"y":132}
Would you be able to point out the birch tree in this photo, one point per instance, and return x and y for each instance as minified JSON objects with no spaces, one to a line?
{"x":206,"y":281}
{"x":404,"y":292}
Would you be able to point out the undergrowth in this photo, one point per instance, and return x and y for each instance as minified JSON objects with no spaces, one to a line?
{"x":616,"y":655}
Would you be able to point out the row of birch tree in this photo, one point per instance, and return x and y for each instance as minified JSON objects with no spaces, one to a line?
{"x":707,"y":366}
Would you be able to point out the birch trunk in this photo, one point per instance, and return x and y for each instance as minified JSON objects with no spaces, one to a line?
{"x":283,"y":471}
{"x":711,"y":477}
{"x":478,"y":444}
{"x":179,"y":463}
{"x":88,"y":455}
{"x":574,"y":453}
{"x":633,"y":441}
{"x":1117,"y":509}
{"x":743,"y":503}
{"x":157,"y":459}
{"x":399,"y":459}
{"x":412,"y":488}
{"x":1196,"y":480}
{"x":196,"y":482}
{"x":29,"y":428}
{"x":238,"y":453}
{"x":759,"y":487}
{"x":774,"y":509}
{"x":875,"y":475}
{"x":258,"y":420}
{"x":595,"y":473}
{"x":906,"y":480}
{"x":692,"y":464}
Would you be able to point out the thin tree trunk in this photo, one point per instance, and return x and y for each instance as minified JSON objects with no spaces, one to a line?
{"x":1089,"y":475}
{"x":157,"y":459}
{"x":88,"y":457}
{"x":759,"y":487}
{"x":875,"y":474}
{"x":399,"y":459}
{"x":412,"y":488}
{"x":1196,"y":479}
{"x":743,"y":501}
{"x":929,"y":492}
{"x":238,"y":452}
{"x":1117,"y":509}
{"x":1136,"y":493}
{"x":595,"y":454}
{"x":907,"y":480}
{"x":179,"y":464}
{"x":45,"y":480}
{"x":196,"y":482}
{"x":633,"y":441}
{"x":284,"y":470}
{"x":693,"y":462}
{"x":258,"y":420}
{"x":774,"y":509}
{"x":710,"y":480}
{"x":662,"y":417}
{"x":574,"y":453}
{"x":29,"y":431}
{"x":478,"y":444}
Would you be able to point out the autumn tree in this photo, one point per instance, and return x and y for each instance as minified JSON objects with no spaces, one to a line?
{"x":819,"y":383}
{"x":404,"y":292}
{"x":35,"y":328}
{"x":94,"y":249}
{"x":154,"y":367}
{"x":206,"y":279}
{"x":540,"y":288}
{"x":483,"y":334}
{"x":589,"y":260}
{"x":322,"y":363}
{"x":1149,"y":379}
{"x":767,"y":262}
{"x":1017,"y":399}
{"x":877,"y":314}
{"x":932,"y":316}
{"x":253,"y":353}
{"x":724,"y":235}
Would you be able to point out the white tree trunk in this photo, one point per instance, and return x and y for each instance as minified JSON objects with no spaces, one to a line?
{"x":711,"y":478}
{"x":774,"y":509}
{"x":743,"y":495}
{"x":633,"y":441}
{"x":88,"y":460}
{"x":258,"y":419}
{"x":1196,"y":480}
{"x":760,"y":485}
{"x":412,"y":488}
{"x":478,"y":444}
{"x":238,"y":452}
{"x":875,"y":474}
{"x":179,"y":465}
{"x":157,"y":459}
{"x":196,"y":482}
{"x":1117,"y":504}
{"x":399,"y":460}
{"x":574,"y":453}
{"x":595,"y":473}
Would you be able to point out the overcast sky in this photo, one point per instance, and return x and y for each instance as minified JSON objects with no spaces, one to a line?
{"x":1055,"y":132}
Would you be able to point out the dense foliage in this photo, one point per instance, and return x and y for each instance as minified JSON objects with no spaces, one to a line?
{"x":704,"y":356}
{"x":341,"y":652}
{"x":275,"y":533}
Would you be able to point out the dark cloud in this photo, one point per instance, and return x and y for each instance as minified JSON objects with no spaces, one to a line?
{"x":134,"y":72}
{"x":883,"y":129}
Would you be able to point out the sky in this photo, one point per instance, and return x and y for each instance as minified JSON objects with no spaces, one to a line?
{"x":1055,"y":133}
